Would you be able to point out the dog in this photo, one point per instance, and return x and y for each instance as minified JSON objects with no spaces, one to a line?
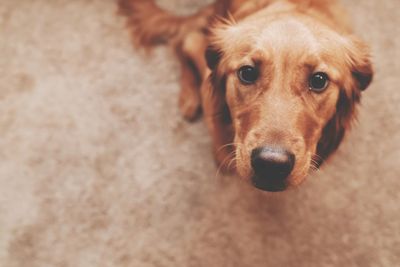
{"x":278,"y":81}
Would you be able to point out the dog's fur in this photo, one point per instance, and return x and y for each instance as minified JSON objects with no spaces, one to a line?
{"x":288,"y":40}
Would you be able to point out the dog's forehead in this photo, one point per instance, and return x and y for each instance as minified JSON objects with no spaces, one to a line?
{"x":289,"y":39}
{"x":285,"y":35}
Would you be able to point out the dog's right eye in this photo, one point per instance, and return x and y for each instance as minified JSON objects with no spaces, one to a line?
{"x":319,"y":82}
{"x":248,"y":74}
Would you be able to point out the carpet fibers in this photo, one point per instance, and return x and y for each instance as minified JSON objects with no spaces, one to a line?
{"x":97,"y":168}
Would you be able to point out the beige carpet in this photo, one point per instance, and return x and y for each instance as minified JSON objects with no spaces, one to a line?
{"x":98,"y":169}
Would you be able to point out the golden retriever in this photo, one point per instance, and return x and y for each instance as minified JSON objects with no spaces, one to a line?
{"x":278,"y":81}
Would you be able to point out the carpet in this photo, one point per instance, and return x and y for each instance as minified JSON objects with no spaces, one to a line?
{"x":97,"y":168}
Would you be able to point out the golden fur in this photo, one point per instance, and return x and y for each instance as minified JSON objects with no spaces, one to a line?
{"x":288,"y":40}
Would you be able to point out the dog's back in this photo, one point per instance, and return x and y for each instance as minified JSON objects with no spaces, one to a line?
{"x":150,"y":25}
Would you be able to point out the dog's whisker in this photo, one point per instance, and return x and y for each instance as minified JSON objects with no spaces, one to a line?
{"x":317,"y":157}
{"x":227,"y":145}
{"x":314,"y":164}
{"x":229,"y":156}
{"x":233,"y":160}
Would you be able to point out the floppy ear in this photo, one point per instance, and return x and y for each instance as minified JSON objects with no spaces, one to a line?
{"x":334,"y":131}
{"x":360,"y":63}
{"x":213,"y":89}
{"x":217,"y":86}
{"x":216,"y":111}
{"x":212,"y":57}
{"x":361,"y":73}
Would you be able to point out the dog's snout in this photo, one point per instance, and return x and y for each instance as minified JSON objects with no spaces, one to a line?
{"x":271,"y":167}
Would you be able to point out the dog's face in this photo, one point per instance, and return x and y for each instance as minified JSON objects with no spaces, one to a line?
{"x":291,"y":86}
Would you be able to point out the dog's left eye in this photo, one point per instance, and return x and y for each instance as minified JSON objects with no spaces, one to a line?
{"x":319,"y":81}
{"x":248,"y":74}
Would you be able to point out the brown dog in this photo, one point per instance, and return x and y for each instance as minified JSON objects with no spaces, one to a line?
{"x":279,"y":83}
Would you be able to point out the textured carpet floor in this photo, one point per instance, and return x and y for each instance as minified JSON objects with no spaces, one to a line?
{"x":98,"y":169}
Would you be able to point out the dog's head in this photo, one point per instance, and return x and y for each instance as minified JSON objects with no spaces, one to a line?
{"x":291,"y":86}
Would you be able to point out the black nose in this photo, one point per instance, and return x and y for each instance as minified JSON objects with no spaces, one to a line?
{"x":271,"y":165}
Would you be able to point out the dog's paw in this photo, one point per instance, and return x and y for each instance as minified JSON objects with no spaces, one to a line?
{"x":189,"y":103}
{"x":190,"y":108}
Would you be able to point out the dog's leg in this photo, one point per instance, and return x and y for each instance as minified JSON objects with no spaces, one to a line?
{"x":194,"y":46}
{"x":189,"y":96}
{"x":150,"y":25}
{"x":193,"y":64}
{"x":216,"y":113}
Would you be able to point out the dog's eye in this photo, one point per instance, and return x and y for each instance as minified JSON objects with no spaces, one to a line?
{"x":248,"y":74}
{"x":319,"y":81}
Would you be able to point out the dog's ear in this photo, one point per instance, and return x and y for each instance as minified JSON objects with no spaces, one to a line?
{"x":213,"y":57}
{"x":360,"y":63}
{"x":213,"y":89}
{"x":361,"y":72}
{"x":215,"y":108}
{"x":334,"y":131}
